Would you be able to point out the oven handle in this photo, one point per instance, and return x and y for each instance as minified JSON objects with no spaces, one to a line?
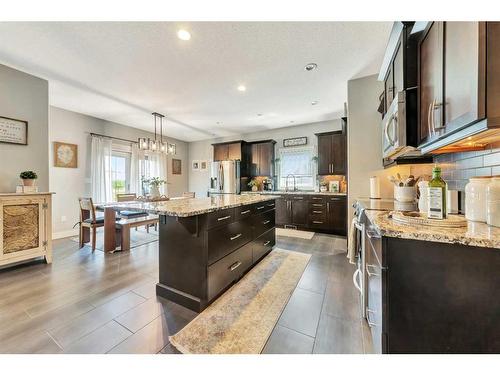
{"x":355,"y":279}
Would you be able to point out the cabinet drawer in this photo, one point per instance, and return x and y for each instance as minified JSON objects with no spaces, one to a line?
{"x":317,"y":199}
{"x":219,"y":218}
{"x":243,"y":212}
{"x":317,"y":206}
{"x":263,"y":244}
{"x":263,"y":222}
{"x":222,"y":241}
{"x":230,"y":268}
{"x":270,"y":205}
{"x":318,"y":221}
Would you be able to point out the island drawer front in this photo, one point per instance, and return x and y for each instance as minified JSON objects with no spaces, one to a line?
{"x":222,"y":241}
{"x":243,"y":212}
{"x":230,"y":268}
{"x":220,"y":218}
{"x":264,"y":244}
{"x":263,"y":222}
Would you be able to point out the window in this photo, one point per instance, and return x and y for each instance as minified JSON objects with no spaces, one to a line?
{"x":120,"y":173}
{"x":296,"y":161}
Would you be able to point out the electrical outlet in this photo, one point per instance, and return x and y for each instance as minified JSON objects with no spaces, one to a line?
{"x":63,"y":219}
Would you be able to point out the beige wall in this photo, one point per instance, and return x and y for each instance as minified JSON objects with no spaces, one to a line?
{"x":71,"y":183}
{"x":203,"y":150}
{"x":24,"y":97}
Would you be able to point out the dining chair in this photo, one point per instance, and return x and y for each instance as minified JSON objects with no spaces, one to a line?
{"x":88,"y":219}
{"x":188,"y":194}
{"x":129,"y":197}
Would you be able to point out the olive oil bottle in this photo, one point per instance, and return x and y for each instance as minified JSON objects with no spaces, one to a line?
{"x":437,"y":196}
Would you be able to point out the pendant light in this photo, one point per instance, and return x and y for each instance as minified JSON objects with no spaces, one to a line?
{"x":157,"y":145}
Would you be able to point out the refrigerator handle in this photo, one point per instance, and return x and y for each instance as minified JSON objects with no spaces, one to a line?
{"x":221,"y":180}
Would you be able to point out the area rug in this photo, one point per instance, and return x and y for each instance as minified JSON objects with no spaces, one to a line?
{"x":242,"y":319}
{"x":294,"y":233}
{"x":138,"y":238}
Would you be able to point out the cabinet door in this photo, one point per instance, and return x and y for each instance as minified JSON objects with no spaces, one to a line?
{"x":337,"y":214}
{"x":462,"y":45}
{"x":282,"y":211}
{"x":431,"y":82}
{"x":339,"y":157}
{"x":398,"y":71}
{"x":221,"y":152}
{"x":255,"y":160}
{"x":266,"y":162}
{"x":324,"y":154}
{"x":300,"y":210}
{"x":22,"y":229}
{"x":234,"y":151}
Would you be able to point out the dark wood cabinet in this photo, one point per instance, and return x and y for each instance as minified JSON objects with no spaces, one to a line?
{"x":221,"y":152}
{"x":229,"y":151}
{"x":299,"y":207}
{"x":283,"y":216}
{"x":337,"y":215}
{"x":332,"y":153}
{"x":262,"y":158}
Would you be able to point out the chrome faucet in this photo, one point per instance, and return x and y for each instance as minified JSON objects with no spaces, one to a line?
{"x":294,"y":182}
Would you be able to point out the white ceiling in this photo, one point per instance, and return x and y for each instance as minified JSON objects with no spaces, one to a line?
{"x":123,"y":71}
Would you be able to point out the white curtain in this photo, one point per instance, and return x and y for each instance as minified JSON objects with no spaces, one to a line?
{"x":158,"y":168}
{"x":136,"y":160}
{"x":101,"y":151}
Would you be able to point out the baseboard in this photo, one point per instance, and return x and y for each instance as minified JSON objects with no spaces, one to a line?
{"x":64,"y":234}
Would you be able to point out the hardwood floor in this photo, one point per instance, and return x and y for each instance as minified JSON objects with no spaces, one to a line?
{"x":88,"y":302}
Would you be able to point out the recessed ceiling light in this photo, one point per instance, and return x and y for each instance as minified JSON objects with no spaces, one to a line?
{"x":314,"y":102}
{"x":218,"y":122}
{"x":291,"y":122}
{"x":242,"y":88}
{"x":259,"y":114}
{"x":310,"y":66}
{"x":183,"y":34}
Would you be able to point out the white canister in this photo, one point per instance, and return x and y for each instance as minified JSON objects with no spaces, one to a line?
{"x":405,"y":193}
{"x":475,"y":199}
{"x":493,"y":202}
{"x":423,"y":187}
{"x":374,"y":187}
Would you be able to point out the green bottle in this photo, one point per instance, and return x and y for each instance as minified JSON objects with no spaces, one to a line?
{"x":437,"y":195}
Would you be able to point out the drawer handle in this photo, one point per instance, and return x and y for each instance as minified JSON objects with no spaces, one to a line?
{"x":317,"y":205}
{"x":260,"y":208}
{"x":267,"y":243}
{"x":317,"y":199}
{"x":317,"y":212}
{"x":235,"y":237}
{"x":235,"y":265}
{"x":266,"y":222}
{"x":223,"y":218}
{"x":336,"y":199}
{"x":371,"y":274}
{"x":245,"y":212}
{"x":317,"y":222}
{"x":298,"y":197}
{"x":270,"y":205}
{"x":370,"y":323}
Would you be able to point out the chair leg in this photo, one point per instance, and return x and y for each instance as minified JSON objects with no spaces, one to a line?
{"x":80,"y":237}
{"x":147,"y":228}
{"x":156,"y":227}
{"x":94,"y":230}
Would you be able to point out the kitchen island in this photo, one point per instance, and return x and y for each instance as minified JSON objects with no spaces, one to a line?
{"x":206,"y":244}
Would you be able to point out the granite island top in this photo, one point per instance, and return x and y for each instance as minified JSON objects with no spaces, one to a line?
{"x":281,"y":192}
{"x":192,"y":206}
{"x":475,"y":234}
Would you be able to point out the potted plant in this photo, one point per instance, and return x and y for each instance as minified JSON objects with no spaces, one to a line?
{"x":323,"y":186}
{"x":28,"y":178}
{"x":253,"y":184}
{"x":154,"y":183}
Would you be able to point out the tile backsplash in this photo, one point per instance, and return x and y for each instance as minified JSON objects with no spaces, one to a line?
{"x":457,"y":168}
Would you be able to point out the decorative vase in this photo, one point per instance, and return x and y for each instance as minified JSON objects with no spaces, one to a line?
{"x":155,"y":191}
{"x":28,"y":181}
{"x":254,"y":188}
{"x":322,"y":189}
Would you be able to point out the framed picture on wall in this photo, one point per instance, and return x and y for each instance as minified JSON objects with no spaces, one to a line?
{"x":292,"y":142}
{"x":176,"y":166}
{"x":196,"y":165}
{"x":13,"y":131}
{"x":203,"y":165}
{"x":65,"y":155}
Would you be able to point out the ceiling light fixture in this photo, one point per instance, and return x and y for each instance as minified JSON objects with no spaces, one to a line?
{"x":314,"y":102}
{"x":157,"y":145}
{"x":242,"y":88}
{"x":183,"y":34}
{"x":259,"y":114}
{"x":310,"y":66}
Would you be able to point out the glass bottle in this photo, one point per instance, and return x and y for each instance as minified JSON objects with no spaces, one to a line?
{"x":436,"y":196}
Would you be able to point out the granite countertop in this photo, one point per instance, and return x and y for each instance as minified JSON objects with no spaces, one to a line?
{"x":33,"y":193}
{"x":475,"y":234}
{"x":281,"y":192}
{"x":192,"y":206}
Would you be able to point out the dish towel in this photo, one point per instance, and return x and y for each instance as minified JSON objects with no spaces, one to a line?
{"x":351,"y":242}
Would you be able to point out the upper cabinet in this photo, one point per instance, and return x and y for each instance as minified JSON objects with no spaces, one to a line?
{"x":332,"y":153}
{"x":237,"y":150}
{"x":262,"y":158}
{"x":459,"y":86}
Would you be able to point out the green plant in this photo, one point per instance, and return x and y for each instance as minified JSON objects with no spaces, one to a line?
{"x":323,"y":183}
{"x":314,"y":159}
{"x":28,"y":175}
{"x":154,"y":181}
{"x":253,"y":183}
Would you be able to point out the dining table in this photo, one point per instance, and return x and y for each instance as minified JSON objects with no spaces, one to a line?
{"x":110,"y":210}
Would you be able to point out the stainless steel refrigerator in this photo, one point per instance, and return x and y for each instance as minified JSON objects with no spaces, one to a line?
{"x":225,"y":177}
